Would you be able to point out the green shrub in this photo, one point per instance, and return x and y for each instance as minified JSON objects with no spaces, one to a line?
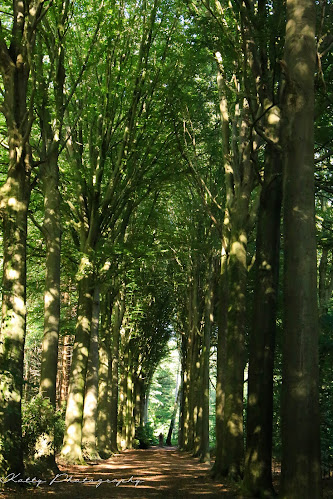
{"x":145,"y":436}
{"x":38,"y":418}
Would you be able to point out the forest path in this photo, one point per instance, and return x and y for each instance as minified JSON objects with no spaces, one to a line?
{"x":165,"y":472}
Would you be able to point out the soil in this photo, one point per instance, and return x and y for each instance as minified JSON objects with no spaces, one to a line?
{"x":162,"y":472}
{"x":156,"y":472}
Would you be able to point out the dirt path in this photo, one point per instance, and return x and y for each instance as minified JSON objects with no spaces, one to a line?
{"x":163,"y":472}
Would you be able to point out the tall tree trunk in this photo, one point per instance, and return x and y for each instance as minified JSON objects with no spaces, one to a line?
{"x":233,"y":439}
{"x":71,"y":450}
{"x":187,"y":408}
{"x":222,"y":323}
{"x":204,"y":444}
{"x":129,"y":423}
{"x":15,"y":69}
{"x":197,"y":394}
{"x":89,"y":428}
{"x":49,"y":357}
{"x":258,"y":465}
{"x":239,"y":181}
{"x":66,"y":361}
{"x":104,"y":387}
{"x":123,"y":388}
{"x":182,"y":401}
{"x":193,"y":347}
{"x":145,"y":408}
{"x":301,"y":467}
{"x":13,"y":324}
{"x":118,"y":319}
{"x":174,"y":412}
{"x":325,"y":284}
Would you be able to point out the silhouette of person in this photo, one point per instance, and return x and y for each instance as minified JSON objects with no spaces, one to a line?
{"x":160,"y":440}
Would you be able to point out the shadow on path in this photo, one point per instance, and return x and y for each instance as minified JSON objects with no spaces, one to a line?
{"x":163,"y":472}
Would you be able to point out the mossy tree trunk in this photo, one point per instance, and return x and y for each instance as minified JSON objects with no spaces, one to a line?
{"x":71,"y":450}
{"x":51,"y":124}
{"x":239,"y":180}
{"x":19,"y":85}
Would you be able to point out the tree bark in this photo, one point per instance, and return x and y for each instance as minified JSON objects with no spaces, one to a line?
{"x":258,"y":464}
{"x":49,"y":357}
{"x":222,"y":324}
{"x":118,"y":319}
{"x":104,"y":385}
{"x":13,"y":324}
{"x":89,"y":428}
{"x":15,"y":67}
{"x":64,"y":370}
{"x":239,"y":181}
{"x":204,"y":452}
{"x":301,"y":467}
{"x":129,"y":423}
{"x":174,"y":413}
{"x":182,"y":434}
{"x":71,"y":450}
{"x":233,"y":439}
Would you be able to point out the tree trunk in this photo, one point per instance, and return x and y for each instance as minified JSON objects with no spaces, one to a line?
{"x":239,"y":181}
{"x":204,"y":444}
{"x":325,"y":284}
{"x":197,"y":394}
{"x":222,"y":318}
{"x":129,"y":423}
{"x":118,"y":319}
{"x":183,"y":411}
{"x":66,"y":361}
{"x":15,"y":195}
{"x":145,"y":407}
{"x":71,"y":450}
{"x":258,"y":466}
{"x":301,"y":468}
{"x":13,"y":324}
{"x":89,"y":428}
{"x":104,"y":385}
{"x":193,"y":346}
{"x":49,"y":358}
{"x":233,"y":439}
{"x":174,"y":414}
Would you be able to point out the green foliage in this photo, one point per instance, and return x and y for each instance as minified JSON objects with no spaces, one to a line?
{"x":162,"y":392}
{"x":4,"y":469}
{"x":145,"y":437}
{"x":39,"y":417}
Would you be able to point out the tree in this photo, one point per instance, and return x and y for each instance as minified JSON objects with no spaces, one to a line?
{"x":301,"y":472}
{"x":19,"y":79}
{"x":260,"y":40}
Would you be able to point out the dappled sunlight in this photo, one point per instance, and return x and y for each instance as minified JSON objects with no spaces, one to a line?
{"x":253,"y":399}
{"x":72,"y":408}
{"x":46,"y":383}
{"x":238,"y":249}
{"x":19,"y":305}
{"x":160,"y":472}
{"x":235,"y":426}
{"x":12,"y":274}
